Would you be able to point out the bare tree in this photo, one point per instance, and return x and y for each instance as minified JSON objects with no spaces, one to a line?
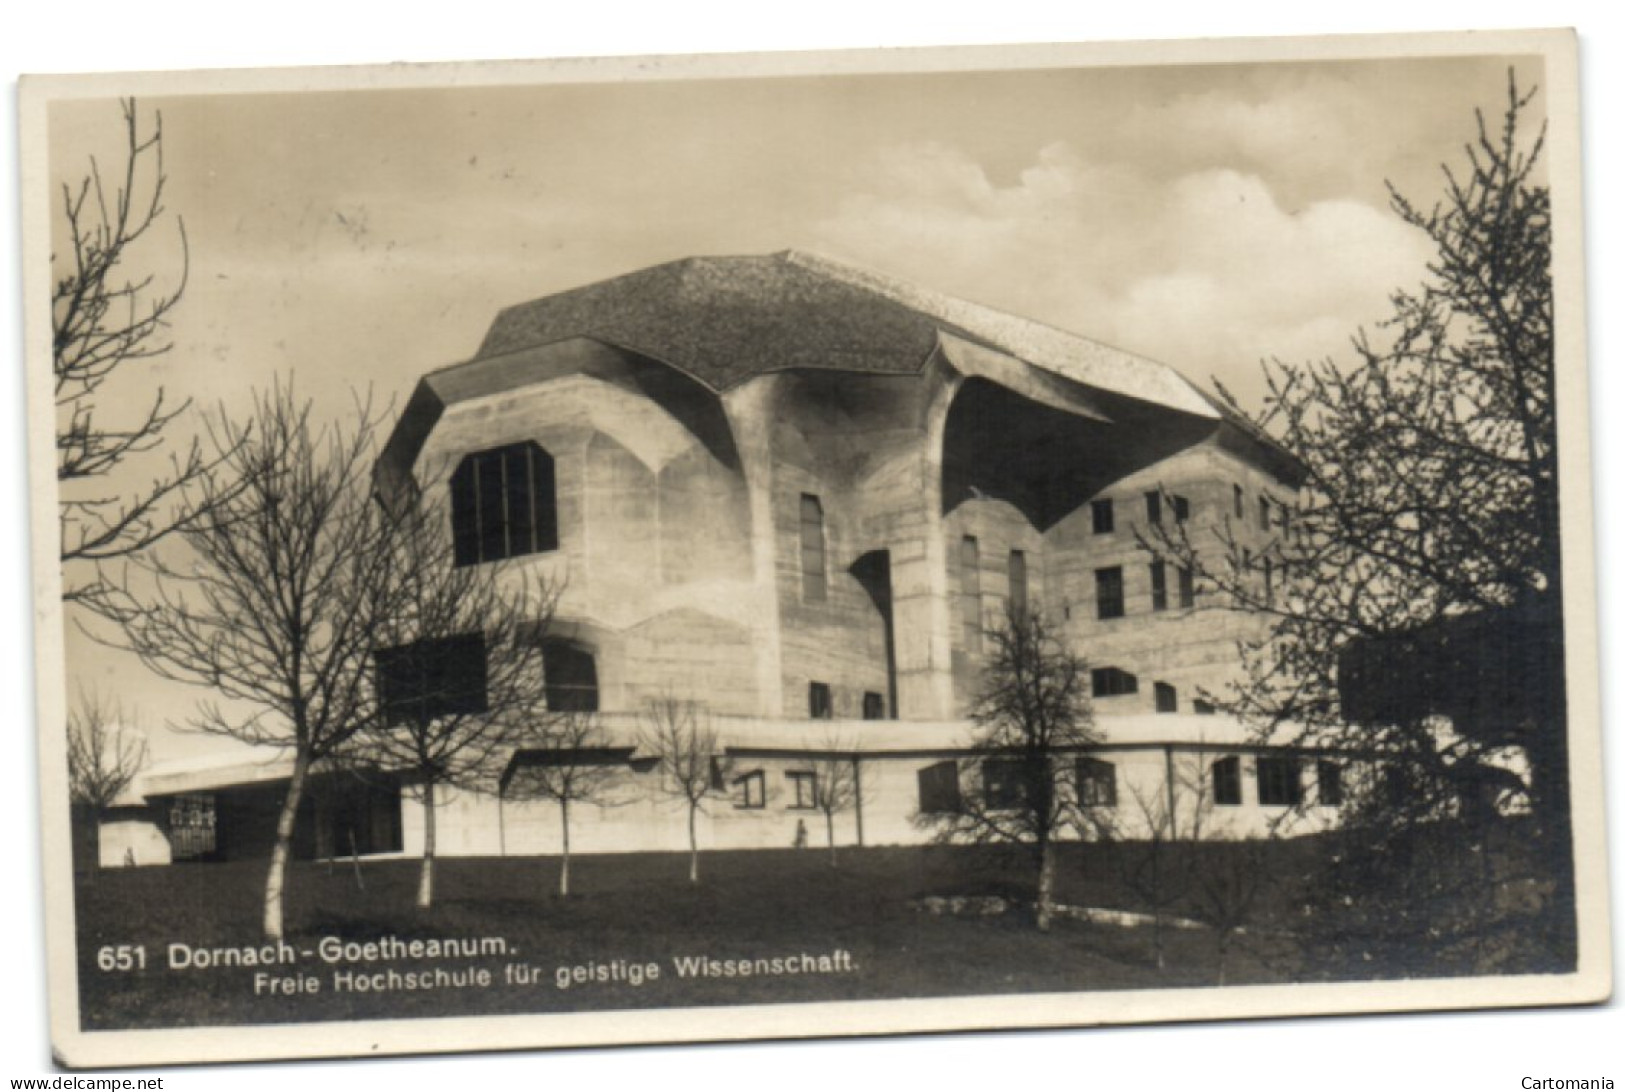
{"x":1033,"y":720}
{"x":272,"y":605}
{"x":1415,"y":587}
{"x":459,"y":661}
{"x":569,"y":761}
{"x":104,"y":757}
{"x":691,"y":761}
{"x":108,"y":318}
{"x":836,"y":785}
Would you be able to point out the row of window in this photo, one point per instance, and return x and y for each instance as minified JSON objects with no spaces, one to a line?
{"x":1114,"y":682}
{"x":1103,"y":514}
{"x":1110,"y":601}
{"x":1280,"y":783}
{"x":750,"y":790}
{"x":821,"y":703}
{"x":446,"y":676}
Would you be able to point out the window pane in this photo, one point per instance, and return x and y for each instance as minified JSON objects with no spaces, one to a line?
{"x":1227,"y":782}
{"x":813,"y":580}
{"x":571,"y":677}
{"x":1101,"y":510}
{"x":465,"y":515}
{"x":1167,"y":698}
{"x":819,"y":703}
{"x":1109,"y":592}
{"x":1153,"y":508}
{"x":970,"y":593}
{"x":1159,"y":585}
{"x":493,"y":517}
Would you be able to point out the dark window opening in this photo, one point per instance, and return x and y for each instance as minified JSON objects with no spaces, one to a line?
{"x":750,"y":790}
{"x":939,"y":788}
{"x":814,"y":581}
{"x":1227,"y":782}
{"x":874,"y":705}
{"x":803,"y":789}
{"x":1159,"y":585}
{"x":820,"y":702}
{"x":1187,"y":588}
{"x":1279,"y":783}
{"x":1153,"y":508}
{"x":1018,"y":584}
{"x":1240,"y":504}
{"x":503,"y":504}
{"x":1203,"y":707}
{"x":570,"y":675}
{"x":191,"y":823}
{"x":718,"y":784}
{"x":1167,"y":698}
{"x":1329,"y":783}
{"x":427,"y":680}
{"x":1097,"y":783}
{"x":1003,"y":785}
{"x":1263,"y":513}
{"x":1109,"y":592}
{"x":1110,"y":682}
{"x":1101,"y":511}
{"x":970,"y":592}
{"x":1182,"y":509}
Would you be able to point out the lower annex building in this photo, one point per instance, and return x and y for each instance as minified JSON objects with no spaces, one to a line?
{"x":799,"y":494}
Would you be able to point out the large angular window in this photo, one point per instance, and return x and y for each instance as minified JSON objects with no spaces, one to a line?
{"x":1279,"y":782}
{"x":1111,"y":682}
{"x":571,"y":677}
{"x":939,"y":788}
{"x":503,"y":504}
{"x":1097,"y":783}
{"x":814,"y":581}
{"x":427,"y":680}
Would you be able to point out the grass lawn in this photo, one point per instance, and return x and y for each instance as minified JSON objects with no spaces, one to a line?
{"x":635,"y":908}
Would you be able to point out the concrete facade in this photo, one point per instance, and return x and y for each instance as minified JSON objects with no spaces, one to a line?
{"x":798,"y":494}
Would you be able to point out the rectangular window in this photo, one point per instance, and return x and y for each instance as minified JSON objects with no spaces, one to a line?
{"x":750,"y":790}
{"x":1167,"y":698}
{"x":1227,"y":782}
{"x":1279,"y":783}
{"x":1187,"y":588}
{"x":1263,"y":513}
{"x":1159,"y":585}
{"x":1329,"y":783}
{"x":1182,"y":509}
{"x":814,"y":579}
{"x":1240,"y":504}
{"x":1018,"y":584}
{"x":874,"y":706}
{"x":820,"y":703}
{"x":1109,"y":682}
{"x":1203,"y":707}
{"x":939,"y":788}
{"x":970,"y":593}
{"x":1097,"y":783}
{"x":1002,"y":783}
{"x":803,"y":789}
{"x":432,"y":679}
{"x":1153,"y":508}
{"x":1109,"y":592}
{"x":1101,"y":510}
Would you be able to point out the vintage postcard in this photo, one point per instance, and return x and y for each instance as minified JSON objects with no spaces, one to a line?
{"x":694,"y":548}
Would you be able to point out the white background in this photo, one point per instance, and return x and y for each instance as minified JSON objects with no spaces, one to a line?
{"x":1449,"y":1051}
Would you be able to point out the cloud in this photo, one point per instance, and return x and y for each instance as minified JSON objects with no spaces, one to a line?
{"x":1203,"y":269}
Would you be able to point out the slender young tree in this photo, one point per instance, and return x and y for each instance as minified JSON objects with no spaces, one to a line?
{"x":691,"y":759}
{"x":1033,"y":720}
{"x":837,"y":786}
{"x":110,"y":315}
{"x":567,"y":760}
{"x":459,"y":662}
{"x":271,"y":601}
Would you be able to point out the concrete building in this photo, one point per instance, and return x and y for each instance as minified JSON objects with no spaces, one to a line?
{"x":799,"y":494}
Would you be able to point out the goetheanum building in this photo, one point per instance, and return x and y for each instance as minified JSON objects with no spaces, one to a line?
{"x":800,"y":494}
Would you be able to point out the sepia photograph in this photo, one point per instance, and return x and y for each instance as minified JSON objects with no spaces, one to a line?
{"x":724,"y":548}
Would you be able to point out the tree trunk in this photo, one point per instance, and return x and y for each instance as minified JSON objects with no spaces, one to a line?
{"x":564,"y":863}
{"x":829,"y":833}
{"x":1046,"y":884}
{"x":693,"y":848}
{"x":426,"y":870}
{"x":275,"y":877}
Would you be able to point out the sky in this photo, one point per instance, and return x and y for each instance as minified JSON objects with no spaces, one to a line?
{"x":1208,"y":216}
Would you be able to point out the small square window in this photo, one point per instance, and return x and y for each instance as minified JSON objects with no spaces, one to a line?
{"x":939,"y":788}
{"x":874,"y":705}
{"x":803,"y":789}
{"x":750,"y":790}
{"x":1109,"y":592}
{"x":820,"y":703}
{"x":1182,"y":509}
{"x":1101,"y":510}
{"x":1167,"y":698}
{"x":1097,"y":783}
{"x":1203,"y":707}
